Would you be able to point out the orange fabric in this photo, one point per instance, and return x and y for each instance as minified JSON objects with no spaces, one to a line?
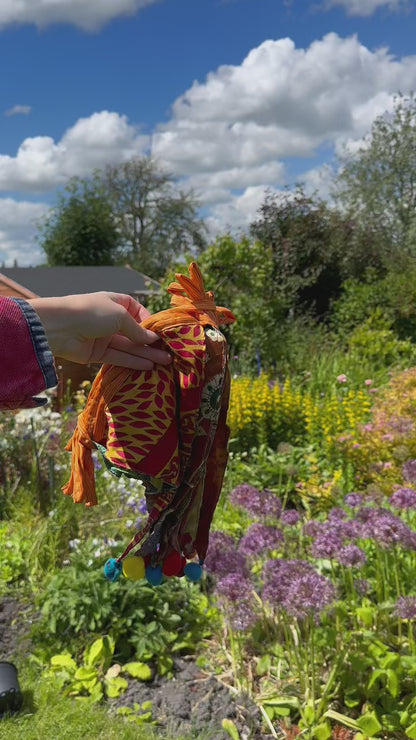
{"x":167,"y":425}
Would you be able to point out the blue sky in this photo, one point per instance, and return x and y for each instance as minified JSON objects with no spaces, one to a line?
{"x":231,"y":96}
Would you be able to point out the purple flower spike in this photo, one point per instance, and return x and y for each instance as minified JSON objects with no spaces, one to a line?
{"x":260,"y":537}
{"x":405,"y":607}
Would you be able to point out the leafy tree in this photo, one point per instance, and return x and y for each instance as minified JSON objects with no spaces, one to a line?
{"x":157,"y":222}
{"x":314,"y":248}
{"x":80,"y":230}
{"x":378,"y":183}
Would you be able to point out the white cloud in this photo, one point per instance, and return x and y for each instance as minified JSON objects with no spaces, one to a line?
{"x":368,"y":7}
{"x":41,"y":163}
{"x":17,"y":231}
{"x":18,"y":110}
{"x":238,"y":128}
{"x":90,"y":15}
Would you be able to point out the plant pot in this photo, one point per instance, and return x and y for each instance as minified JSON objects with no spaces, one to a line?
{"x":10,"y":695}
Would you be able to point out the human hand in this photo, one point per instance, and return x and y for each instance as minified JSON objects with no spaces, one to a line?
{"x":99,"y":327}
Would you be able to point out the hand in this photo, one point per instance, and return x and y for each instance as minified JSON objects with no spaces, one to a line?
{"x":99,"y":327}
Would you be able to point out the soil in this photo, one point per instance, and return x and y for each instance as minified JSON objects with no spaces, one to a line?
{"x":193,"y":702}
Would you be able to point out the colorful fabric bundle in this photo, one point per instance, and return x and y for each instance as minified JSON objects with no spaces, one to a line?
{"x":166,"y":426}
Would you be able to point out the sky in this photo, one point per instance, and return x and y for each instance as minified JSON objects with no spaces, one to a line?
{"x":232,"y":97}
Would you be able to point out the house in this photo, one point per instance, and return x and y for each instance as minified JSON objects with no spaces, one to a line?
{"x":35,"y":282}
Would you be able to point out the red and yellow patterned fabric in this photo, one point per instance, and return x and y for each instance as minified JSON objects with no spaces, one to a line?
{"x":166,"y":426}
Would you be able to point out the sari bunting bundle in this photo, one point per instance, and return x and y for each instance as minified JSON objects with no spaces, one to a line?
{"x":166,"y":426}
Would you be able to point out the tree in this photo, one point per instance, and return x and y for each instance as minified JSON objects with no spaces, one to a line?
{"x":314,"y":248}
{"x":80,"y":230}
{"x":157,"y":222}
{"x":378,"y":183}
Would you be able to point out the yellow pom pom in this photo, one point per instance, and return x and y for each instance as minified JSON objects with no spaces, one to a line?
{"x":134,"y":568}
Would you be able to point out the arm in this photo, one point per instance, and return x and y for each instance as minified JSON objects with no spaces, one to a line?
{"x":26,"y":361}
{"x":90,"y":328}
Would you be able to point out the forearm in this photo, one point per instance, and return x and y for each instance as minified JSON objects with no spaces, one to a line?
{"x":26,"y":361}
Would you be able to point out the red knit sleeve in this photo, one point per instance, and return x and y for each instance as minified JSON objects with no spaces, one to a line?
{"x":26,"y":362}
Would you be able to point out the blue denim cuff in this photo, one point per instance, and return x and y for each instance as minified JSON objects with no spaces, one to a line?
{"x":41,"y":347}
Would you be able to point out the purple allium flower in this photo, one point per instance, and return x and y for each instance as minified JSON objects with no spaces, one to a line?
{"x":362,"y":586}
{"x":311,"y":528}
{"x":261,"y":504}
{"x":403,"y":498}
{"x":385,"y":528}
{"x":351,"y":555}
{"x":290,"y":517}
{"x":326,"y":546}
{"x":353,"y":500}
{"x":337,"y":513}
{"x":260,"y":537}
{"x":405,"y":607}
{"x":409,"y":471}
{"x":278,"y":574}
{"x":222,"y":557}
{"x":235,"y":593}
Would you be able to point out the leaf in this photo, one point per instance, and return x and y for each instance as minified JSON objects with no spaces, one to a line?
{"x":138,"y":670}
{"x":230,"y":728}
{"x":164,"y":665}
{"x":263,"y":665}
{"x":115,"y":686}
{"x":85,"y":673}
{"x":322,"y":731}
{"x":369,"y":723}
{"x":411,"y":731}
{"x":113,"y":671}
{"x":93,"y":653}
{"x":63,"y":661}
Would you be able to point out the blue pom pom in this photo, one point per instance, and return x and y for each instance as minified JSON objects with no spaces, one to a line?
{"x":112,"y":569}
{"x":193,"y":571}
{"x":154,"y":575}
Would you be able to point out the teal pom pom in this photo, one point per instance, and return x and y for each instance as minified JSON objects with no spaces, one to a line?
{"x":193,"y":571}
{"x":154,"y":575}
{"x":112,"y":569}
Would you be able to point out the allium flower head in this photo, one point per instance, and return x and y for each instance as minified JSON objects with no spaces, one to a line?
{"x":351,"y":555}
{"x":290,"y":517}
{"x":297,"y":587}
{"x":222,"y":557}
{"x":409,"y":471}
{"x":353,"y":499}
{"x":260,"y":504}
{"x":405,"y":607}
{"x":403,"y":498}
{"x":235,"y":594}
{"x":278,"y":574}
{"x":260,"y":537}
{"x":384,"y":527}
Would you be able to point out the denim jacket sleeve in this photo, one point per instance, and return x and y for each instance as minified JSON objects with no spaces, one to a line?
{"x":26,"y":361}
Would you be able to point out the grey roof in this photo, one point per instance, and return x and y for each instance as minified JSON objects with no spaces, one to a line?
{"x":58,"y":281}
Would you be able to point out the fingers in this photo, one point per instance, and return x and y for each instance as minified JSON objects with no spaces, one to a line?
{"x":134,"y":313}
{"x":122,"y":359}
{"x":122,"y":344}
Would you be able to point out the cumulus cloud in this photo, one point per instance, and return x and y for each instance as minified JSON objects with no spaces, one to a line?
{"x":89,"y":15}
{"x":366,"y":8}
{"x":42,"y":164}
{"x":17,"y":232}
{"x":18,"y":110}
{"x":242,"y":127}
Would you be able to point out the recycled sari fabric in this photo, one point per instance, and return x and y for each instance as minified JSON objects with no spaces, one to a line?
{"x":166,"y":426}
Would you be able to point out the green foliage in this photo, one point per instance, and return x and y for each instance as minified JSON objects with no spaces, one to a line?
{"x":80,"y":230}
{"x":378,"y":183}
{"x":146,"y":622}
{"x":374,"y":343}
{"x":96,"y":677}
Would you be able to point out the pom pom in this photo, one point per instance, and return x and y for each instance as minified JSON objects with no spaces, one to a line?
{"x":173,"y":564}
{"x":193,"y":571}
{"x":134,"y":568}
{"x":112,"y":569}
{"x":154,"y":575}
